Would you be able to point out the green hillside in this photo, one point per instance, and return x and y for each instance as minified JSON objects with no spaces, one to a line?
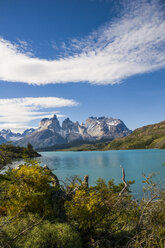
{"x":151,"y":136}
{"x":87,"y":147}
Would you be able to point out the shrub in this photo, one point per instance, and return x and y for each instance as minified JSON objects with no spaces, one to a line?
{"x":44,"y":235}
{"x":99,"y":209}
{"x":27,"y":189}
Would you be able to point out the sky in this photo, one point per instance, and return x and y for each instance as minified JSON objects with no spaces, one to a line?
{"x":81,"y":58}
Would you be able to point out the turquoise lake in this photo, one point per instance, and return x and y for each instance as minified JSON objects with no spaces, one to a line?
{"x":106,"y":164}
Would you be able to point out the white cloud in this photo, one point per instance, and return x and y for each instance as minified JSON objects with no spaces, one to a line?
{"x":130,"y":45}
{"x":17,"y":113}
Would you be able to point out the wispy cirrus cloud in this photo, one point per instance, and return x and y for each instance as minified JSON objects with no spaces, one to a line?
{"x":133,"y":43}
{"x":17,"y":113}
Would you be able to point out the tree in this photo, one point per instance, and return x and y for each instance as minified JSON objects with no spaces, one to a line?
{"x":29,"y":147}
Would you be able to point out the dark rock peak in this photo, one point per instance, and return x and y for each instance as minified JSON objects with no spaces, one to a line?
{"x":67,"y":120}
{"x":47,"y":119}
{"x":44,"y":119}
{"x":51,"y":124}
{"x":54,"y":117}
{"x":97,"y":118}
{"x":101,"y":118}
{"x":68,"y":125}
{"x":55,"y":123}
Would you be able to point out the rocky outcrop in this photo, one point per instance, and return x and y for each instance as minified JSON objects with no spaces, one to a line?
{"x":70,"y":130}
{"x":74,"y":131}
{"x":52,"y":124}
{"x":51,"y":133}
{"x":106,"y":128}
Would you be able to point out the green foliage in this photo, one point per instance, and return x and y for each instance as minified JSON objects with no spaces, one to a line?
{"x":150,"y":230}
{"x":29,"y":147}
{"x":99,"y":209}
{"x":27,"y":188}
{"x":102,"y":216}
{"x":53,"y":235}
{"x":9,"y":152}
{"x":44,"y":235}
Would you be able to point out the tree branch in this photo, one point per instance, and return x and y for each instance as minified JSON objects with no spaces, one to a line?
{"x":125,"y":184}
{"x":27,"y":229}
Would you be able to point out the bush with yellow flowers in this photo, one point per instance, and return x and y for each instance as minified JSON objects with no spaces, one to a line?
{"x":27,"y":189}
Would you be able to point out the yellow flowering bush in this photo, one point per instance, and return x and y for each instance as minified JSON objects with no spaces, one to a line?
{"x":28,"y":189}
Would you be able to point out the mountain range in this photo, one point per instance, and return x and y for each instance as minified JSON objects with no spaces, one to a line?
{"x":8,"y":135}
{"x":50,"y":132}
{"x":94,"y":134}
{"x":146,"y":137}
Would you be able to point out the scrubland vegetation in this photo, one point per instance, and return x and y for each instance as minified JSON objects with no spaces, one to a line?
{"x":37,"y":210}
{"x":9,"y":153}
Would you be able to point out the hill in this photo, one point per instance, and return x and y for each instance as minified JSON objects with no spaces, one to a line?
{"x":150,"y":136}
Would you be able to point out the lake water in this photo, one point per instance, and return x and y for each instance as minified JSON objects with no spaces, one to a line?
{"x":106,"y":164}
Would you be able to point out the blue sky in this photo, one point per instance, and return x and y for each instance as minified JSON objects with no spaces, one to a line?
{"x":81,"y":58}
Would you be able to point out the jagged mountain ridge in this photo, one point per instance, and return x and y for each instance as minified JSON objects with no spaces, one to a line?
{"x":8,"y":135}
{"x":51,"y":133}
